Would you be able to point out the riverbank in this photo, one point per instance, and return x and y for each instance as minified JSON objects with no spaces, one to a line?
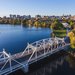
{"x":59,"y":33}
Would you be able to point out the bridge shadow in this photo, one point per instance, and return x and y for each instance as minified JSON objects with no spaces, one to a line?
{"x":46,"y":63}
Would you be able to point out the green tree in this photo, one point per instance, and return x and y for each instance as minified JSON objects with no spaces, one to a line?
{"x":57,"y":25}
{"x":37,"y":23}
{"x":71,"y":23}
{"x":43,"y":24}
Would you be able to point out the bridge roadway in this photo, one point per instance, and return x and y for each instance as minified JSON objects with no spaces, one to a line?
{"x":32,"y":53}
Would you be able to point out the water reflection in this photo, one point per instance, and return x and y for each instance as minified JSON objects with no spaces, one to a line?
{"x":49,"y":68}
{"x":57,"y":64}
{"x":71,"y":61}
{"x":65,"y":65}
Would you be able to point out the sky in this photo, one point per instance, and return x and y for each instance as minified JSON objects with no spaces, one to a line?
{"x":34,"y":7}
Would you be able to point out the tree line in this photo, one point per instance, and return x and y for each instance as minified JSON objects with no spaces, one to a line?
{"x":50,"y":23}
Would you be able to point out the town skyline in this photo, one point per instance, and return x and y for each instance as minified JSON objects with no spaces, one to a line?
{"x":19,"y":15}
{"x":34,"y":7}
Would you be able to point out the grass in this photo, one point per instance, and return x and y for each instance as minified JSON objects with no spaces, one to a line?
{"x":59,"y":33}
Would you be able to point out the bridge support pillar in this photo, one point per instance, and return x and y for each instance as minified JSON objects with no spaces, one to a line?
{"x":25,"y":69}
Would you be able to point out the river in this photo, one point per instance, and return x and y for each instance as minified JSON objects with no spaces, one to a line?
{"x":15,"y":38}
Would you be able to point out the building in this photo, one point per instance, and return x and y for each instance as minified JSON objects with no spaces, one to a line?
{"x":38,"y":16}
{"x":65,"y":25}
{"x":12,"y":16}
{"x":66,"y":16}
{"x":18,"y":16}
{"x":72,"y":18}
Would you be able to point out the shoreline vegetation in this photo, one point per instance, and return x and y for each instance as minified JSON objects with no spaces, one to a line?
{"x":54,"y":23}
{"x":60,"y":33}
{"x":71,"y":35}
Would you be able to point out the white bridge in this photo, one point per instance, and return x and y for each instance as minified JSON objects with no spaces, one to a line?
{"x":32,"y":53}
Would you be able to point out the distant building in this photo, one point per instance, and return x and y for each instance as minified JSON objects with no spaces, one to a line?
{"x":52,"y":17}
{"x":72,"y":18}
{"x":59,"y":17}
{"x":66,"y":16}
{"x":4,"y":17}
{"x":26,"y":16}
{"x":29,"y":16}
{"x":12,"y":16}
{"x":18,"y":16}
{"x":38,"y":16}
{"x":65,"y":25}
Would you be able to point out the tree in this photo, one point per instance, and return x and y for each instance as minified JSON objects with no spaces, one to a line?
{"x":57,"y":25}
{"x":71,"y":23}
{"x":37,"y":23}
{"x":43,"y":24}
{"x":25,"y":22}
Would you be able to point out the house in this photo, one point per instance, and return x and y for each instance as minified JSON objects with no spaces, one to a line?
{"x":65,"y":25}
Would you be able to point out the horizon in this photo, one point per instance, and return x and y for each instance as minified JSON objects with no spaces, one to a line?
{"x":35,"y":7}
{"x":35,"y":15}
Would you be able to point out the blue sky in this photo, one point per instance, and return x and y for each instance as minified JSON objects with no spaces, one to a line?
{"x":34,"y":7}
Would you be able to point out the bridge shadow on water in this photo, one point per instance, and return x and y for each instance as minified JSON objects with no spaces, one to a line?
{"x":46,"y":66}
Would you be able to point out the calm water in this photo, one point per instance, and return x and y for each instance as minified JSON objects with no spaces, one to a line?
{"x":15,"y":38}
{"x":58,"y":64}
